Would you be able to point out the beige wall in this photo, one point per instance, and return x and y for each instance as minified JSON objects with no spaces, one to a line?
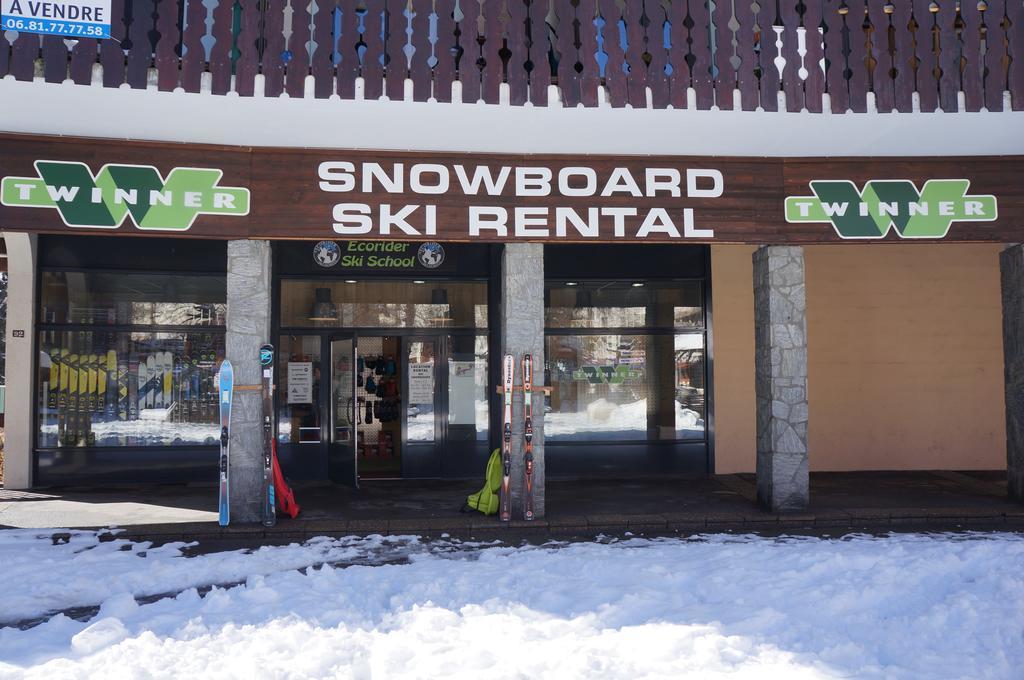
{"x":905,"y":363}
{"x":732,"y":328}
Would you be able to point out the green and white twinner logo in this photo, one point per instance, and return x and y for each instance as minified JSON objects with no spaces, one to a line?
{"x":116,"y":191}
{"x":889,"y":203}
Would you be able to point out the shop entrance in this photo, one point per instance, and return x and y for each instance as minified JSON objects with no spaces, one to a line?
{"x":410,"y":405}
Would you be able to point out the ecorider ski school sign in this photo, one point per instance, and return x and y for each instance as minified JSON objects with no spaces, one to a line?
{"x":356,"y":195}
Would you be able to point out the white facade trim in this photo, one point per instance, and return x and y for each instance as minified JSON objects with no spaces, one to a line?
{"x":123,"y":113}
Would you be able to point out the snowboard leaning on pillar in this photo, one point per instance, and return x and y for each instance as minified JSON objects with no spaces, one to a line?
{"x":528,"y":437}
{"x":267,"y":364}
{"x":505,"y":502}
{"x":227,"y":384}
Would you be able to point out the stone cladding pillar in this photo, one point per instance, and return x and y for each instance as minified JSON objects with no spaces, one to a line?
{"x":248,"y":327}
{"x":522,"y":332}
{"x":780,"y":367}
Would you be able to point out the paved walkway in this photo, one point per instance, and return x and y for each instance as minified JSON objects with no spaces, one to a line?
{"x":840,"y":503}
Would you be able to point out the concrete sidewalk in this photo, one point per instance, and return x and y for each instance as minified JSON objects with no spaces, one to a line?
{"x":840,"y":503}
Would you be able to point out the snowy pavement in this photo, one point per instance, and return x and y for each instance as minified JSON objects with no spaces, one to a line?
{"x":903,"y":606}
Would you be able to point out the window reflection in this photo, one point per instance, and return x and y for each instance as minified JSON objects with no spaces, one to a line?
{"x":625,"y":387}
{"x":383,"y":304}
{"x":132,"y":299}
{"x":623,"y":304}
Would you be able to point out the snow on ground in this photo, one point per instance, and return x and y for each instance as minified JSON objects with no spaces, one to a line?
{"x":904,"y":606}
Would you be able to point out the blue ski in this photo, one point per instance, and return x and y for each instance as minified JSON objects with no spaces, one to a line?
{"x":227,"y":383}
{"x":267,"y":364}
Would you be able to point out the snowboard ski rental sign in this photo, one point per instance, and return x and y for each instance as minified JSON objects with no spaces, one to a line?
{"x":56,"y":184}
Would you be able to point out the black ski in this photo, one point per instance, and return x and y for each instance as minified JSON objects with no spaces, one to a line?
{"x":505,"y":501}
{"x":528,"y":436}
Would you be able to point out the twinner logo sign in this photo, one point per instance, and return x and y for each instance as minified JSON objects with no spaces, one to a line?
{"x":118,"y":191}
{"x":870,"y":213}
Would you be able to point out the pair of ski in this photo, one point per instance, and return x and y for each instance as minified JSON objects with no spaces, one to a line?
{"x":508,"y":380}
{"x":226,"y":380}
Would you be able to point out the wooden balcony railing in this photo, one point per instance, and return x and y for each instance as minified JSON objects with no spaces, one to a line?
{"x":768,"y":54}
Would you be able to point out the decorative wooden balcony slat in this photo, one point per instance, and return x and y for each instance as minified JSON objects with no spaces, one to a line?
{"x":700,"y":38}
{"x":193,"y":60}
{"x":419,"y":63}
{"x":296,"y":54}
{"x":568,"y":55}
{"x":445,"y":50}
{"x":220,"y":53}
{"x":903,"y":56}
{"x":321,"y":59}
{"x":792,"y":82}
{"x":273,"y":46}
{"x":167,"y":59}
{"x":971,"y":64}
{"x":55,"y":59}
{"x":858,"y":29}
{"x":814,"y":84}
{"x":949,"y":55}
{"x":1015,"y":42}
{"x":469,"y":61}
{"x":747,"y":74}
{"x":614,"y":70}
{"x":590,"y":76}
{"x":994,"y":76}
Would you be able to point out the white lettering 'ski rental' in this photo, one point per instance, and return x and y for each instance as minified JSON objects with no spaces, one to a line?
{"x":84,"y":18}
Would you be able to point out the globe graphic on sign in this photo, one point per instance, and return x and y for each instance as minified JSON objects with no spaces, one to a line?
{"x":326,"y":253}
{"x":430,"y":255}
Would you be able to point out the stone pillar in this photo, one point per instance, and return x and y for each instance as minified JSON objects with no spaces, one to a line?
{"x":522,"y":332}
{"x":19,"y":428}
{"x":780,"y":367}
{"x":1011,"y":266}
{"x":248,"y":327}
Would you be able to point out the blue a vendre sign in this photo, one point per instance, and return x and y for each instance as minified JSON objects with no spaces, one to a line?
{"x":82,"y":18}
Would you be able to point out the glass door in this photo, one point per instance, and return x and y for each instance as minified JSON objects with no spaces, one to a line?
{"x":343,"y":421}
{"x":423,"y":436}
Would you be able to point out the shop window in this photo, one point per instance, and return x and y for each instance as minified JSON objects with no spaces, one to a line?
{"x":625,"y":361}
{"x":624,"y":304}
{"x":383,"y":304}
{"x":129,"y":360}
{"x":124,"y":299}
{"x":99,"y":388}
{"x":619,"y":387}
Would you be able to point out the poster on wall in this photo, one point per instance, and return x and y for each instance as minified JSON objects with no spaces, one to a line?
{"x":83,"y":18}
{"x":421,"y":383}
{"x":300,"y":382}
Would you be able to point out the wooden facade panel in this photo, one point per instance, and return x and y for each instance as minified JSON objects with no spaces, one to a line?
{"x":729,"y":200}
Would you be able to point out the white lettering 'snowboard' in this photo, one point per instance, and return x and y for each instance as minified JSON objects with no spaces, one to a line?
{"x":84,"y":18}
